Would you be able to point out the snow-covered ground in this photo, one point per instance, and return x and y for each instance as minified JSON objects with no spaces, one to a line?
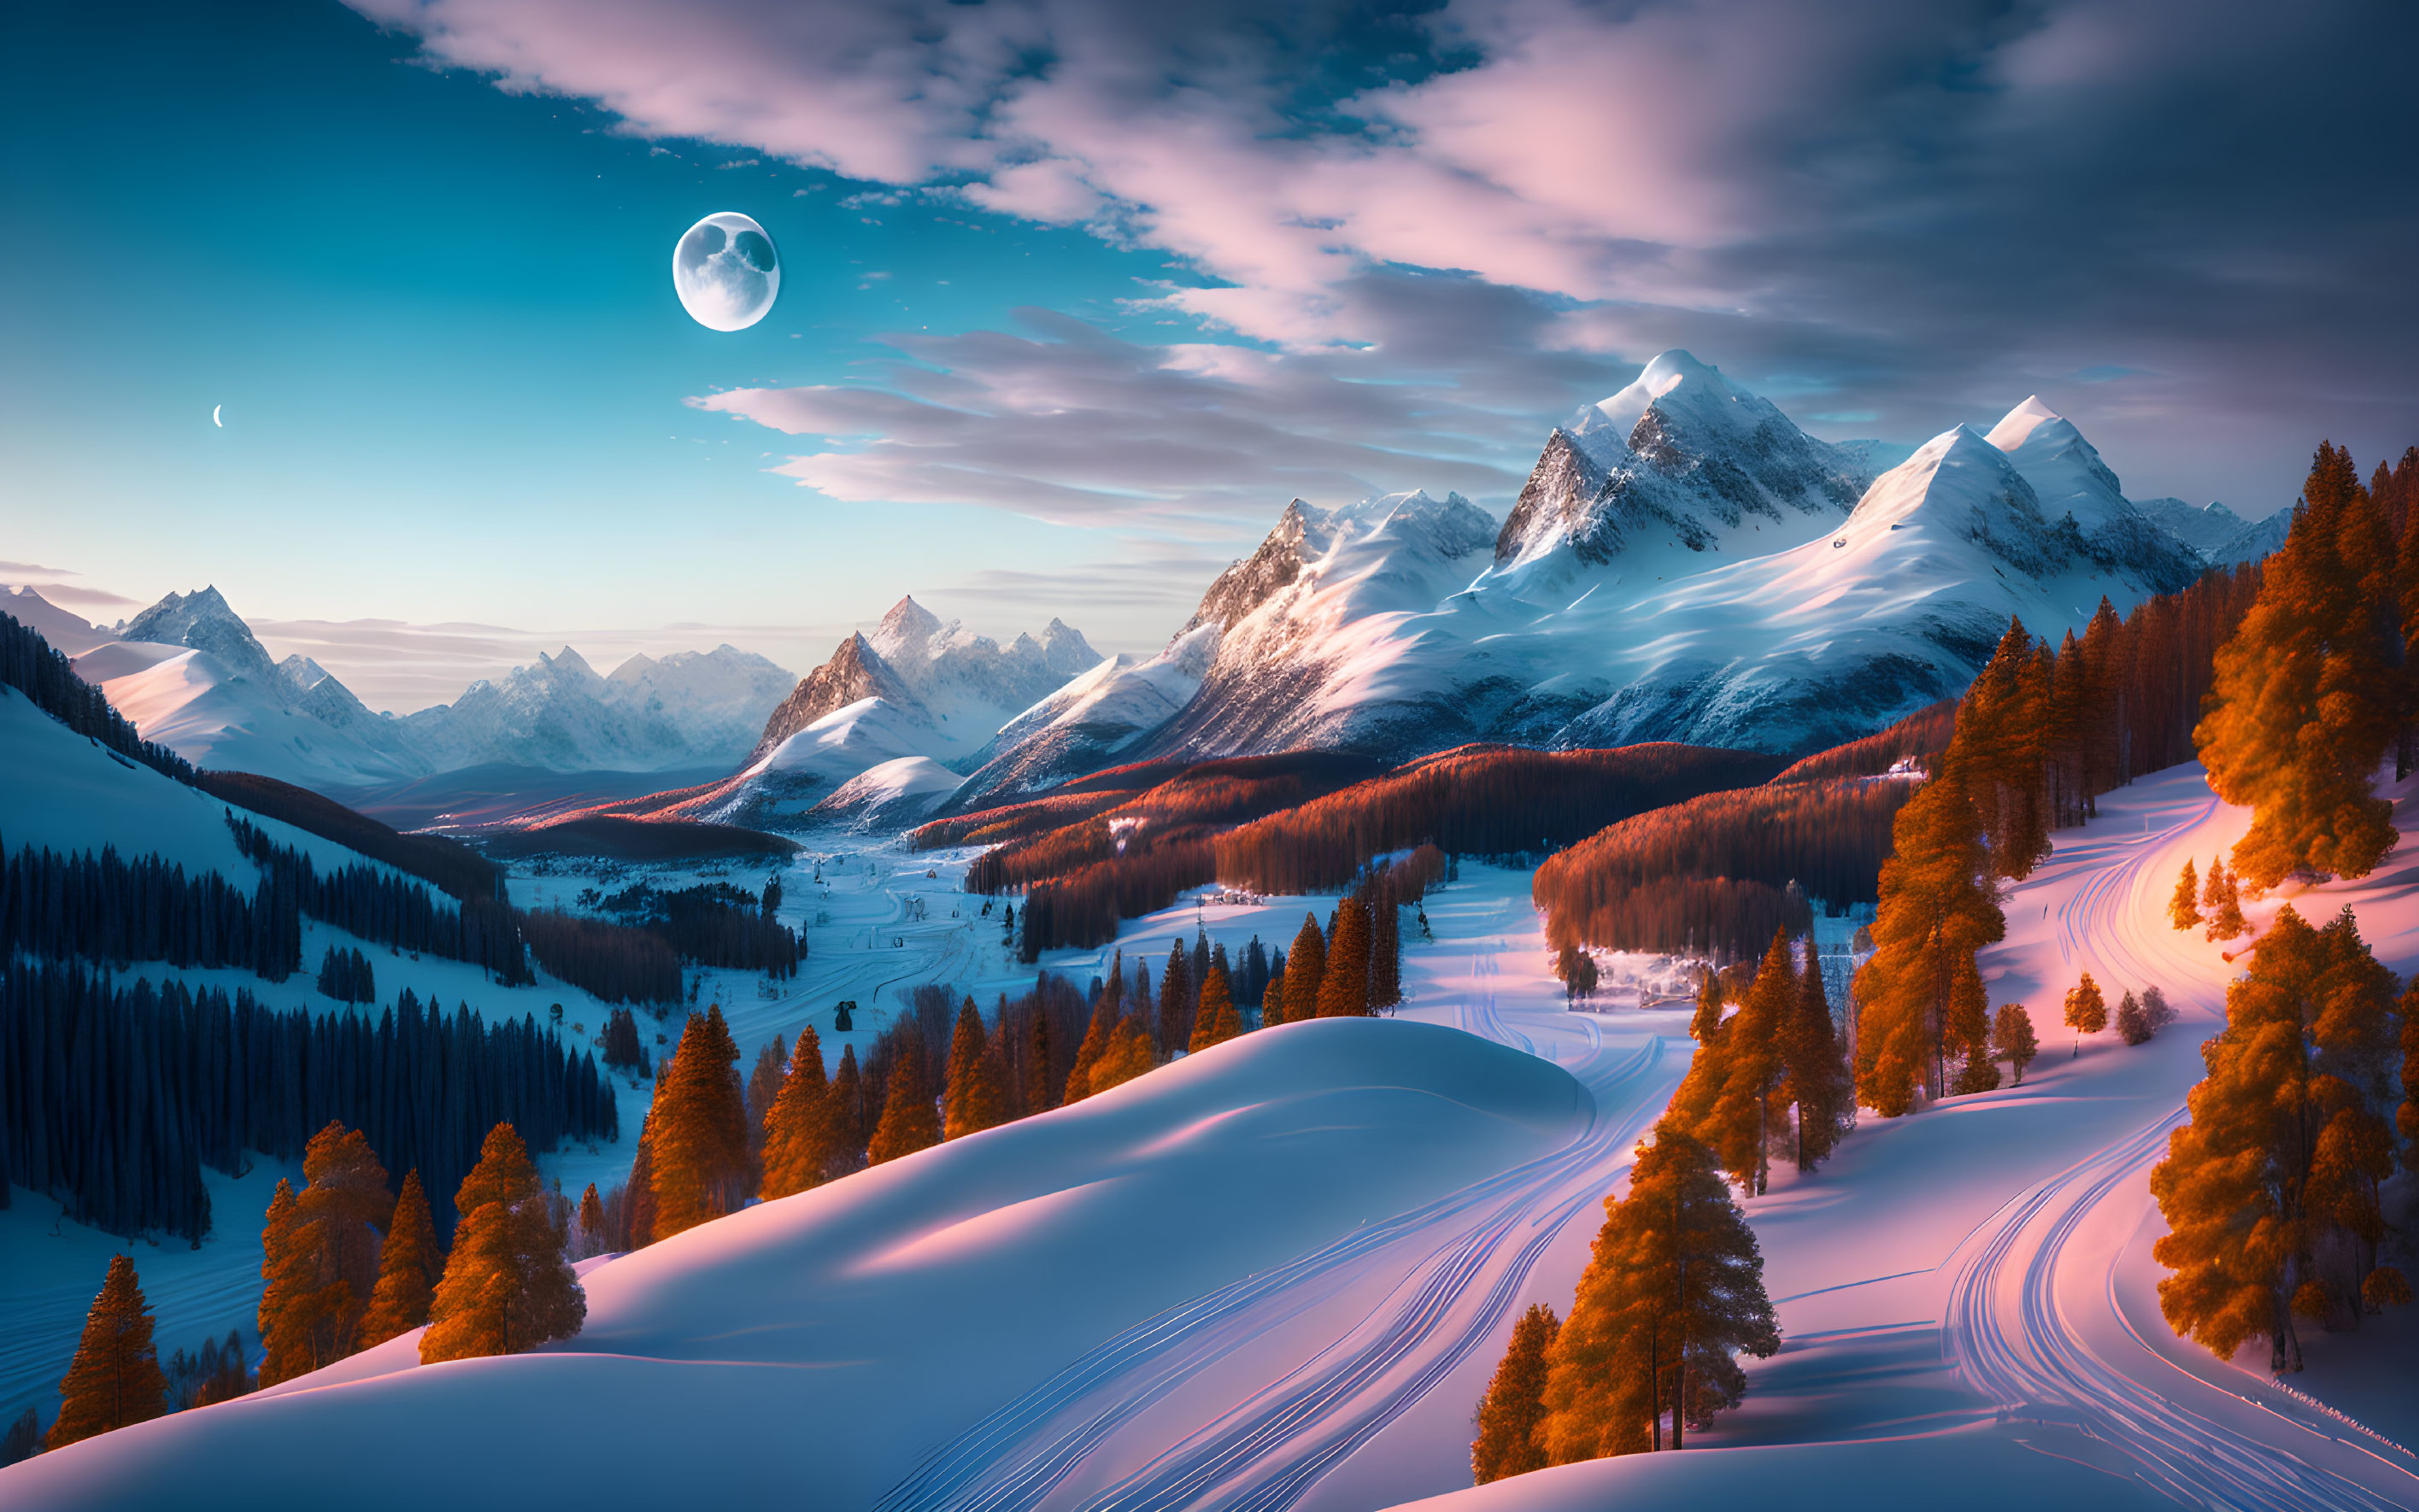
{"x":1277,"y":1275}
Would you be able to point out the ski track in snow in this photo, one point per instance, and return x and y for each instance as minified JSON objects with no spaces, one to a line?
{"x":1449,"y":1274}
{"x":2016,"y":1340}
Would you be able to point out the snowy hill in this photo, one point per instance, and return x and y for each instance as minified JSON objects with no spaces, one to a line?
{"x":1683,"y":564}
{"x":192,"y":676}
{"x":895,"y":1308}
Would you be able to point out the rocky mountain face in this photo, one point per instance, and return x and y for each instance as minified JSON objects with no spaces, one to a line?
{"x":1683,"y":563}
{"x":962,"y":685}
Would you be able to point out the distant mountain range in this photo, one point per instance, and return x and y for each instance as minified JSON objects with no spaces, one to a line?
{"x":1683,"y":563}
{"x":190,"y":674}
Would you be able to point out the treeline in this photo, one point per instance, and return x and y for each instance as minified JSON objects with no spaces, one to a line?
{"x":1717,"y":875}
{"x":112,"y":1098}
{"x":447,"y":865}
{"x":28,"y":663}
{"x":712,"y":923}
{"x":1713,"y":876}
{"x":104,"y":908}
{"x":1477,"y":800}
{"x":609,"y":961}
{"x":379,"y":906}
{"x":1081,"y":909}
{"x":1911,"y":742}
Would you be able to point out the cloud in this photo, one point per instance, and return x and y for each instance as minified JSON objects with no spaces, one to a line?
{"x":1071,"y":424}
{"x":1919,"y":207}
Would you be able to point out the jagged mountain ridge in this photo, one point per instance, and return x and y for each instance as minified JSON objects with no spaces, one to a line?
{"x":191,"y":673}
{"x":1682,"y":564}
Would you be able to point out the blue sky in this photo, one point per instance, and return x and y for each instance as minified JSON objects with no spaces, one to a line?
{"x":1077,"y":295}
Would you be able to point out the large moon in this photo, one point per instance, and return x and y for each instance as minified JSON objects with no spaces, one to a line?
{"x":726,"y":272}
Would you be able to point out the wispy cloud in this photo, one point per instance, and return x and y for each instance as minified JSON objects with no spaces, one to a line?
{"x":1925,"y":204}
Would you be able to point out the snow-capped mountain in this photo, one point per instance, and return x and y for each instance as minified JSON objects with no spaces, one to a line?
{"x":190,"y":674}
{"x":961,"y":686}
{"x":1682,"y":459}
{"x":690,"y":709}
{"x":1683,"y":564}
{"x":2218,"y":535}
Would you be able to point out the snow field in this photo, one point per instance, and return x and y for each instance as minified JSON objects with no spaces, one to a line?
{"x":829,"y":1340}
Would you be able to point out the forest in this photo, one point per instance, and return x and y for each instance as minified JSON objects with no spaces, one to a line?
{"x":114,"y":1097}
{"x":1715,"y":874}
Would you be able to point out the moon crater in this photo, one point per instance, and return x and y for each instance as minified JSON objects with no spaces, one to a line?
{"x":726,"y":272}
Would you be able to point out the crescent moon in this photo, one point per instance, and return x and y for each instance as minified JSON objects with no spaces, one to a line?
{"x":214,"y":417}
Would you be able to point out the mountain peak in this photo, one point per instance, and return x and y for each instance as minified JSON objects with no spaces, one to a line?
{"x":2019,"y":423}
{"x":203,"y":621}
{"x":905,"y":628}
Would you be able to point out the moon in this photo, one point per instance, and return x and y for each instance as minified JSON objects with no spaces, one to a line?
{"x":214,"y":417}
{"x":726,"y":272}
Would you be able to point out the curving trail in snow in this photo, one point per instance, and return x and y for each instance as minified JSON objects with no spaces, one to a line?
{"x":2032,"y":1318}
{"x":1244,"y":1398}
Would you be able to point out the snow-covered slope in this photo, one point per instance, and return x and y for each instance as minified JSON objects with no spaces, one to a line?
{"x":1088,"y":723}
{"x":191,"y":676}
{"x":876,"y":1316}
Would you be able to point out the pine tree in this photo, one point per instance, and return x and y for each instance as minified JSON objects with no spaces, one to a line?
{"x":700,"y":1128}
{"x":1128,"y":1056}
{"x":1177,"y":991}
{"x":1344,"y":986}
{"x":2285,"y":1142}
{"x":1386,"y":949}
{"x":2086,"y":1011}
{"x":287,"y":1281}
{"x":2183,"y":909}
{"x":2130,"y":1026}
{"x":1936,"y":909}
{"x":638,"y":1193}
{"x":592,"y":1224}
{"x":1305,"y":971}
{"x":1096,"y":1045}
{"x":1514,"y":1407}
{"x":2011,"y":1037}
{"x":115,"y":1378}
{"x":1272,"y":1003}
{"x":842,"y":1125}
{"x":2224,"y":899}
{"x":796,"y":1155}
{"x":1969,"y":1024}
{"x":1816,"y":1068}
{"x":1214,"y":1021}
{"x":505,"y":1287}
{"x":1743,"y":1123}
{"x":2305,"y":697}
{"x":1709,"y":1069}
{"x":763,"y":1085}
{"x":909,"y":1120}
{"x":1672,"y":1294}
{"x":341,"y":1217}
{"x":410,"y":1262}
{"x":972,"y":1102}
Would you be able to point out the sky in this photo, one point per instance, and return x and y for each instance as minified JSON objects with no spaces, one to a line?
{"x":1076,"y":295}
